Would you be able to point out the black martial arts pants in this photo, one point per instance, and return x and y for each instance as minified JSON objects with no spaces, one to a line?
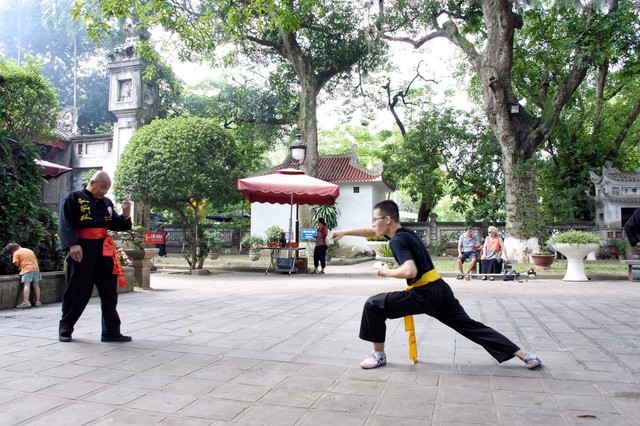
{"x":435,"y":299}
{"x":81,"y":277}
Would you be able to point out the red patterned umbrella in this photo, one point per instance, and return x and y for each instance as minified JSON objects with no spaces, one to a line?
{"x":289,"y":186}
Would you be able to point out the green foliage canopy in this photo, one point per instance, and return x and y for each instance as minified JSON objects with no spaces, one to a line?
{"x":257,"y":116}
{"x":446,"y":145}
{"x":556,"y":61}
{"x":171,"y":162}
{"x":27,"y":101}
{"x":45,"y":30}
{"x":177,"y":164}
{"x":318,"y":40}
{"x":27,"y":109}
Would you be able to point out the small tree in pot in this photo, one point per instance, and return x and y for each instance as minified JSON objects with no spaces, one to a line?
{"x":252,"y":243}
{"x":214,"y":241}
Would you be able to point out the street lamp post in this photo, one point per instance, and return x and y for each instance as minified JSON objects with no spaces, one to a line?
{"x":298,"y":151}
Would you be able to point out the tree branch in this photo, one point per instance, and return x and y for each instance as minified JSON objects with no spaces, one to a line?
{"x":624,"y":131}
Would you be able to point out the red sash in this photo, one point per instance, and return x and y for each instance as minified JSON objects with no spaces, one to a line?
{"x":108,"y":249}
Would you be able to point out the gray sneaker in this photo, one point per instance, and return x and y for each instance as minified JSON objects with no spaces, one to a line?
{"x":532,"y":360}
{"x":375,"y":359}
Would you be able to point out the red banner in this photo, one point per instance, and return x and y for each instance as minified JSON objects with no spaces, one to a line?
{"x":150,"y":237}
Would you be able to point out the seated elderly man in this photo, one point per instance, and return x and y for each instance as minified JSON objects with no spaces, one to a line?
{"x":468,"y":246}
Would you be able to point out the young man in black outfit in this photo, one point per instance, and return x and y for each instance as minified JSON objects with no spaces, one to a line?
{"x":426,"y":293}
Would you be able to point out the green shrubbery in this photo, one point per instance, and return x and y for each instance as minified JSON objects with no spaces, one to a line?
{"x":575,"y":237}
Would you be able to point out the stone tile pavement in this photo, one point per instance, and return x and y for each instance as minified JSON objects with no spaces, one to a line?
{"x":246,"y":348}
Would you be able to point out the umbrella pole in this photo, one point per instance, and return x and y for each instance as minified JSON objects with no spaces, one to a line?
{"x":291,"y":218}
{"x":297,"y":223}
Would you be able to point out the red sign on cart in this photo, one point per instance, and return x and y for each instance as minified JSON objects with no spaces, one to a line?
{"x":150,"y":237}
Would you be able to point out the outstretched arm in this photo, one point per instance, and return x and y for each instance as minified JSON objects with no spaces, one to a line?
{"x":354,"y":232}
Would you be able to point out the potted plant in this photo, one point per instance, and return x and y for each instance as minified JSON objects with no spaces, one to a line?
{"x":374,"y":243}
{"x":575,"y":245}
{"x":617,"y":245}
{"x":544,"y":259}
{"x":385,"y":251}
{"x":252,"y":243}
{"x":214,"y":243}
{"x":273,"y":235}
{"x":129,"y":240}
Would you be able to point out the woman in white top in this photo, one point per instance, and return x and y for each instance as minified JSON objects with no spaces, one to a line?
{"x":493,"y":249}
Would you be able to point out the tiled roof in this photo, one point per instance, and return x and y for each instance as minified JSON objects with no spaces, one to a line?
{"x":54,"y":143}
{"x":334,"y":169}
{"x":623,"y":176}
{"x":616,"y":175}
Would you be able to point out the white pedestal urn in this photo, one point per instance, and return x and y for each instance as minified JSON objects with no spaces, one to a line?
{"x":575,"y":254}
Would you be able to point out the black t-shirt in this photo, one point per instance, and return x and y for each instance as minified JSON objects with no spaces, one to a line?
{"x":632,"y":228}
{"x":407,"y":245}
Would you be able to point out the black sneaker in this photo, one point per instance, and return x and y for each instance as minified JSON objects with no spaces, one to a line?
{"x":64,"y":338}
{"x":119,"y":339}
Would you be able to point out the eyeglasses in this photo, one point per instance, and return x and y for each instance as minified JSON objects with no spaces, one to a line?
{"x":376,"y":218}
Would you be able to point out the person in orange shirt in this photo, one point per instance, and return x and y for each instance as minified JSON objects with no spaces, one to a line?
{"x":26,"y":261}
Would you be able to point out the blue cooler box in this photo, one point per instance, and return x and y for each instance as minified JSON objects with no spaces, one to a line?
{"x":284,"y":262}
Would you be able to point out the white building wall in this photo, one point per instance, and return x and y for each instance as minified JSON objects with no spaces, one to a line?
{"x":265,"y":215}
{"x":355,"y":211}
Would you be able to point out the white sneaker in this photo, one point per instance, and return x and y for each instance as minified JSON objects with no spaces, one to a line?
{"x":532,"y":361}
{"x":23,"y":305}
{"x":375,"y":359}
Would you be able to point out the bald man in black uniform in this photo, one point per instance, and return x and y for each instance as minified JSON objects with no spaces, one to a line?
{"x":85,"y":218}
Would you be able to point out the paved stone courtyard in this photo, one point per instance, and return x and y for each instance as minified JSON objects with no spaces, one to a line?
{"x":253,"y":349}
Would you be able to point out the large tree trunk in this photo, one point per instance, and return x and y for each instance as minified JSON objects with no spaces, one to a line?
{"x":515,"y":129}
{"x":308,"y":122}
{"x":310,"y":86}
{"x":523,"y":213}
{"x":512,"y":129}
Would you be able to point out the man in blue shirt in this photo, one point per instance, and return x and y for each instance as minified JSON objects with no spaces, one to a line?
{"x":426,"y":293}
{"x":468,"y":246}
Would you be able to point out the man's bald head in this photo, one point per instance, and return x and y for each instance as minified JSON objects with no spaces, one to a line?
{"x":102,"y":177}
{"x":99,"y":184}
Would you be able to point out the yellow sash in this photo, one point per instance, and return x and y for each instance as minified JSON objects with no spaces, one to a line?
{"x":426,"y":278}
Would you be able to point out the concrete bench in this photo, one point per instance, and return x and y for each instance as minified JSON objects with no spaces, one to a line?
{"x":634,"y":269}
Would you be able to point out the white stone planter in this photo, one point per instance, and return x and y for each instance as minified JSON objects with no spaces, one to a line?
{"x":575,"y":254}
